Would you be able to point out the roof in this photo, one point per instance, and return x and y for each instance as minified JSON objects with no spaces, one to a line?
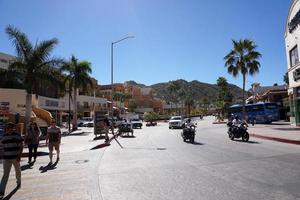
{"x":261,"y":90}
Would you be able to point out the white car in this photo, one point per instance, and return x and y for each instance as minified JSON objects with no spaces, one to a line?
{"x":83,"y":120}
{"x":176,"y":122}
{"x":136,"y":123}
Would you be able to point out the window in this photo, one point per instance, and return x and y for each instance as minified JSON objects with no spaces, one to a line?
{"x":294,"y":58}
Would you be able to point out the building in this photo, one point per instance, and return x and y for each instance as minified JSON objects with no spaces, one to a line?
{"x":292,"y":41}
{"x":5,"y":59}
{"x":46,"y":108}
{"x":143,"y":98}
{"x":276,"y":94}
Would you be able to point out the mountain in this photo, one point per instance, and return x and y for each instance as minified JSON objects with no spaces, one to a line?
{"x":198,"y":90}
{"x":133,"y":83}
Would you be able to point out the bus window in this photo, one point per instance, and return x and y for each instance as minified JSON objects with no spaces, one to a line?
{"x":271,"y":106}
{"x":259,"y":107}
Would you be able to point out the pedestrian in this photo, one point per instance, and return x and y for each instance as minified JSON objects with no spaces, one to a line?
{"x":12,"y":151}
{"x":32,"y":140}
{"x":106,"y":129}
{"x":53,"y":140}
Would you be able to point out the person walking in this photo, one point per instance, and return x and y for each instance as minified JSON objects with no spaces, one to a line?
{"x":12,"y":151}
{"x":53,"y":140}
{"x":32,"y":140}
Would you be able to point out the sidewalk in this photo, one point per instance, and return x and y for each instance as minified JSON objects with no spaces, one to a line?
{"x":73,"y":177}
{"x":277,"y":131}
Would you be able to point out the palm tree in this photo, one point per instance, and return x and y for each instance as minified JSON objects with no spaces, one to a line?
{"x":189,"y":103}
{"x":244,"y":59}
{"x":33,"y":66}
{"x":173,"y":88}
{"x":78,"y":77}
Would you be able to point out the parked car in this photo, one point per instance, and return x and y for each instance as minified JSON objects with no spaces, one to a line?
{"x":151,"y":123}
{"x":83,"y":120}
{"x":176,"y":122}
{"x":88,"y":124}
{"x":136,"y":123}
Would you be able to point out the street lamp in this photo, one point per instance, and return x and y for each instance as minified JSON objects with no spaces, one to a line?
{"x":112,"y":78}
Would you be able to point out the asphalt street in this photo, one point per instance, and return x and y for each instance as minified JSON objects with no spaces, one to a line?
{"x":157,"y":164}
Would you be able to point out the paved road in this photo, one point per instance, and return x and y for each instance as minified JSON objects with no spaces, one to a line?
{"x":157,"y":164}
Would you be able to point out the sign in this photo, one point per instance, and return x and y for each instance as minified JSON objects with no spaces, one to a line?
{"x":296,"y":74}
{"x":99,"y":122}
{"x":294,"y":22}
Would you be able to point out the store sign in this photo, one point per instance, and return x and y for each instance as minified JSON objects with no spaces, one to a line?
{"x":51,"y":103}
{"x":99,"y":122}
{"x":294,"y":22}
{"x":296,"y":74}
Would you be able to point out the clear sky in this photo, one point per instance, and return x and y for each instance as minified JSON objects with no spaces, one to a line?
{"x":173,"y":38}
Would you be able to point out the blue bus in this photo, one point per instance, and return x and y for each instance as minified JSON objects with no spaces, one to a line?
{"x":259,"y":112}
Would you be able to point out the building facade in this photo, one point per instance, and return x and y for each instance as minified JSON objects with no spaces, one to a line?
{"x":5,"y":59}
{"x":292,"y":41}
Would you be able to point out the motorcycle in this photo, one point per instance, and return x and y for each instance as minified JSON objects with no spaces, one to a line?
{"x":188,"y":133}
{"x":238,"y":131}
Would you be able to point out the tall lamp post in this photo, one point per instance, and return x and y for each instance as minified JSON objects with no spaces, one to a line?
{"x":112,"y":78}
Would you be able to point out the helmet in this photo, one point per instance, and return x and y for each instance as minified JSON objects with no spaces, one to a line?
{"x":188,"y":120}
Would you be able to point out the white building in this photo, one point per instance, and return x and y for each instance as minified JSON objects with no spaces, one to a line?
{"x":292,"y":40}
{"x":5,"y":59}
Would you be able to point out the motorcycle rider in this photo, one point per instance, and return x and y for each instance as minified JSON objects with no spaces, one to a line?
{"x":236,"y":121}
{"x":188,"y":123}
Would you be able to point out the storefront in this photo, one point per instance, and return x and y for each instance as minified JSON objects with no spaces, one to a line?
{"x":292,"y":41}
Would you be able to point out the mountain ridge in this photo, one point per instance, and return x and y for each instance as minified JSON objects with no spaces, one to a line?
{"x":200,"y":91}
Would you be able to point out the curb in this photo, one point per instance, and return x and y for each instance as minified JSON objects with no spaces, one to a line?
{"x":283,"y":140}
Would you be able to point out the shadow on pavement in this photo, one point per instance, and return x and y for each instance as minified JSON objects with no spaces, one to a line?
{"x":76,"y":134}
{"x":44,"y":169}
{"x":198,"y":143}
{"x":128,"y":136}
{"x":249,"y":142}
{"x":101,"y":137}
{"x":11,"y":193}
{"x":100,"y":146}
{"x":39,"y":153}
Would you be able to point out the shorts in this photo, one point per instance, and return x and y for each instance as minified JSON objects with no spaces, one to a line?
{"x":55,"y":145}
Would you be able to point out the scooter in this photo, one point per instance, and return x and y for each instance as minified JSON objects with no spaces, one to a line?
{"x":239,"y":131}
{"x":188,"y":133}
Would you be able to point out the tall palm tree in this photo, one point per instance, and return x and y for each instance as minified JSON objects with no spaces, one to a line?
{"x":189,"y":103}
{"x":173,"y":88}
{"x":78,"y":77}
{"x":243,"y":59}
{"x":33,"y":65}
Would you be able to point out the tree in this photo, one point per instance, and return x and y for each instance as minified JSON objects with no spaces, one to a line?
{"x":151,"y":116}
{"x":189,"y":103}
{"x":173,"y":88}
{"x":243,"y":59}
{"x":33,"y":66}
{"x":132,"y":105}
{"x":286,"y":78}
{"x":224,"y":94}
{"x":78,"y":77}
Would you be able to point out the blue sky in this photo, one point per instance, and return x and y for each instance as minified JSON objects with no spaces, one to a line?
{"x":173,"y":38}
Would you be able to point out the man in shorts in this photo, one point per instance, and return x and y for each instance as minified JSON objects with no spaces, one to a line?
{"x":53,"y":140}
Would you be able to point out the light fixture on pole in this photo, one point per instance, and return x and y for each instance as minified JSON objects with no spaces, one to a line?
{"x":112,"y":78}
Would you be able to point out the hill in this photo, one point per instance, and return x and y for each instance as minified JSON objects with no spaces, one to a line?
{"x":199,"y":90}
